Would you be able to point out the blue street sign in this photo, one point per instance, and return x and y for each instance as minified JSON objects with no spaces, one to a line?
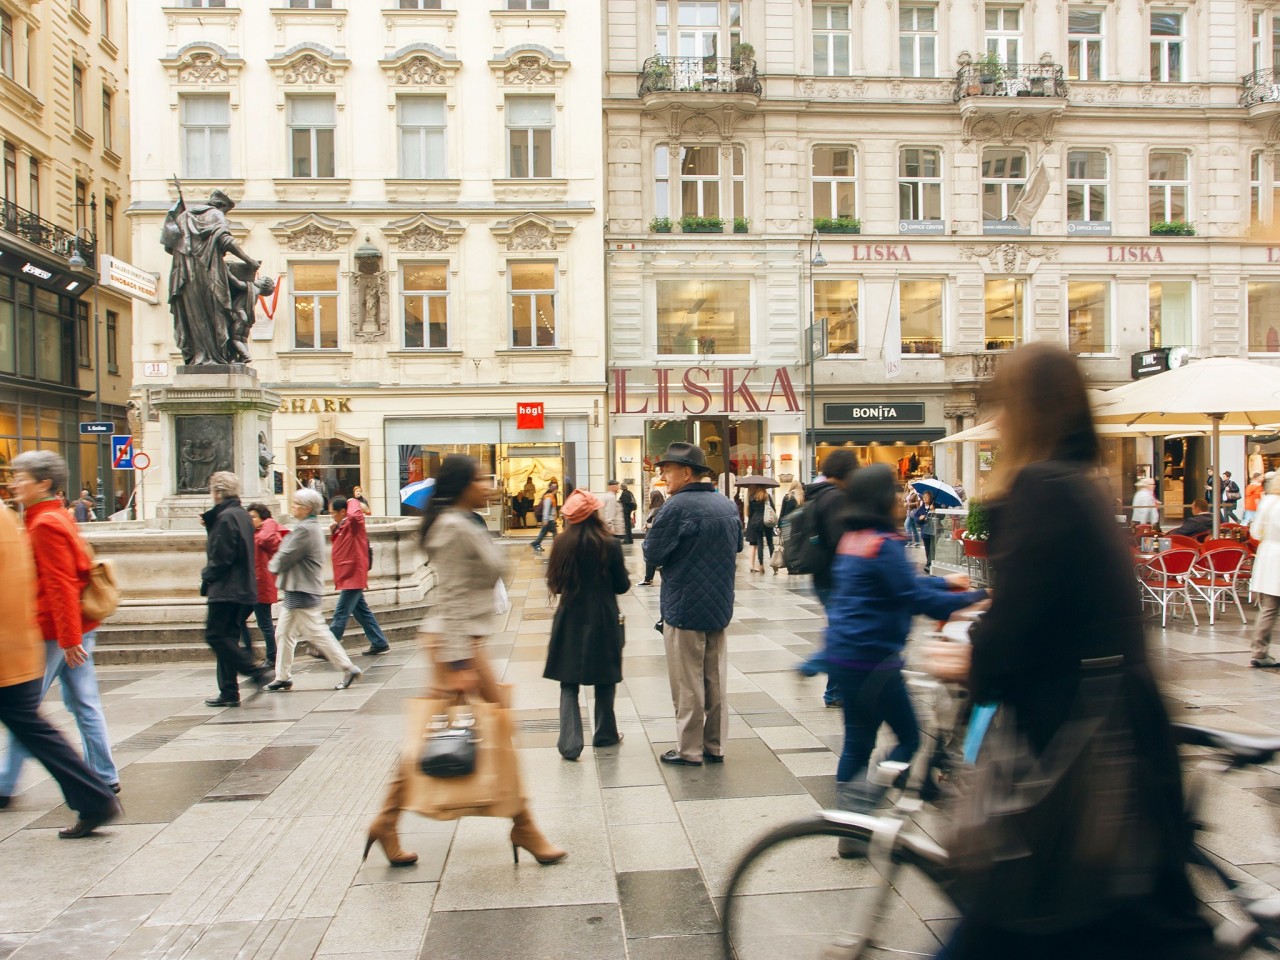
{"x":101,"y":426}
{"x":121,"y":452}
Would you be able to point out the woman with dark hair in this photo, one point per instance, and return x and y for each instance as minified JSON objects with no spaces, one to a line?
{"x":758,"y":532}
{"x":1065,"y":595}
{"x":924,"y":516}
{"x":460,"y":618}
{"x":656,"y":499}
{"x":587,"y":572}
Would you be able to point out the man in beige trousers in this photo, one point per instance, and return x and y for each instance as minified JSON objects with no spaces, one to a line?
{"x":695,"y":539}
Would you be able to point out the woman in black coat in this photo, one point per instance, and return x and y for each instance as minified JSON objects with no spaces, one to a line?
{"x":587,"y":572}
{"x":758,"y":532}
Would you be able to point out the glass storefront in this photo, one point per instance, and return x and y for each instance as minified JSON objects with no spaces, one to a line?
{"x":908,"y":460}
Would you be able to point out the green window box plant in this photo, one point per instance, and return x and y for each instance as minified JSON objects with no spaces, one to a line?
{"x":837,"y":224}
{"x":741,"y":225}
{"x":701,"y":225}
{"x":1172,"y":228}
{"x":661,"y":225}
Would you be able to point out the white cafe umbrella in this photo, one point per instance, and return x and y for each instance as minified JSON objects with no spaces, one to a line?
{"x":986,"y":432}
{"x":1223,"y":391}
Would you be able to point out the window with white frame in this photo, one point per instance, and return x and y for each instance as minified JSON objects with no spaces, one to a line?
{"x":203,"y":3}
{"x":836,"y":301}
{"x":1169,"y":185}
{"x":528,"y":4}
{"x":77,"y":95}
{"x":11,"y":173}
{"x":531,"y":123}
{"x":1085,"y":55}
{"x":206,"y":136}
{"x":1003,"y":33}
{"x":1004,"y":174}
{"x":420,"y":4}
{"x":920,"y":310}
{"x":311,"y":4}
{"x":422,"y":127}
{"x":1089,"y":316}
{"x":919,"y":184}
{"x":834,"y":182}
{"x":704,"y":317}
{"x":706,"y":185}
{"x":1003,"y":299}
{"x":699,"y":28}
{"x":531,"y":287}
{"x":314,"y":287}
{"x":6,"y":45}
{"x":33,"y":190}
{"x":311,"y":136}
{"x":1168,"y":45}
{"x":1088,"y":185}
{"x":1264,"y":189}
{"x":1263,"y":306}
{"x":424,"y":298}
{"x":1256,"y":167}
{"x":832,"y":40}
{"x":108,"y":120}
{"x":1170,"y":313}
{"x":1265,"y":41}
{"x":918,"y":40}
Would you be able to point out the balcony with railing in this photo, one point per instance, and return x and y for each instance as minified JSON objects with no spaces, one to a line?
{"x":1260,"y":93}
{"x":995,"y":88}
{"x":37,"y":231}
{"x":705,"y":81}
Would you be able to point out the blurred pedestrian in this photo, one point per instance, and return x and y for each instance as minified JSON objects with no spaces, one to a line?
{"x":1230,"y":497}
{"x":22,"y":672}
{"x":297,"y":565}
{"x":1253,"y":493}
{"x":1265,"y":581}
{"x":459,"y":621}
{"x":548,"y":510}
{"x":266,"y":541}
{"x":912,"y":503}
{"x":925,"y":514}
{"x":695,"y":540}
{"x":1146,"y":508}
{"x":352,"y":557}
{"x":230,"y":585}
{"x":628,"y":501}
{"x":610,"y":511}
{"x":62,"y":570}
{"x":357,"y":494}
{"x":83,"y":507}
{"x":656,"y":499}
{"x":825,"y":498}
{"x":587,"y":572}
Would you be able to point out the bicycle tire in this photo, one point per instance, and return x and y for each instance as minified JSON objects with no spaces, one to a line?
{"x":795,"y":916}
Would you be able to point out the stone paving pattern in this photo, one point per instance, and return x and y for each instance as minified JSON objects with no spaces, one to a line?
{"x":244,"y":827}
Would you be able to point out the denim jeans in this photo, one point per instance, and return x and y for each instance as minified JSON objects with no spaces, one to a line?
{"x":831,"y":695}
{"x":913,"y":529}
{"x":548,"y":528}
{"x":352,"y":603}
{"x":80,"y":694}
{"x":262,"y":613}
{"x":873,"y":697}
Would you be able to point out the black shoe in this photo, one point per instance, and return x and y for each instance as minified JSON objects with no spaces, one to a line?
{"x":85,"y":825}
{"x":280,"y":685}
{"x":607,"y":743}
{"x":834,"y":704}
{"x":673,"y":757}
{"x":713,"y":757}
{"x":4,"y":801}
{"x":375,"y":651}
{"x":220,"y":702}
{"x":645,"y":583}
{"x":262,"y":677}
{"x":115,"y":788}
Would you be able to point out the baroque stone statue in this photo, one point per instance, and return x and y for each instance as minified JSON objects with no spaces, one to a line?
{"x":211,"y":301}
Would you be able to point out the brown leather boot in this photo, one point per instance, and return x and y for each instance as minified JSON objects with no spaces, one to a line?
{"x":525,"y":833}
{"x":383,"y":829}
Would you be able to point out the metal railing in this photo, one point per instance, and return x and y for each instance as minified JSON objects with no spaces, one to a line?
{"x":699,"y":75}
{"x":1010,"y":80}
{"x":36,"y":230}
{"x":1261,"y":86}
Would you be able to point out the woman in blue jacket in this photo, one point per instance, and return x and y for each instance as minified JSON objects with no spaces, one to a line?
{"x":875,"y":594}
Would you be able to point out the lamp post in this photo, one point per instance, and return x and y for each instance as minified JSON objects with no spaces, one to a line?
{"x":816,"y":259}
{"x":77,"y":260}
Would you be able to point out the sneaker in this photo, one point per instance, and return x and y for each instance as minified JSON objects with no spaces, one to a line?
{"x":1265,"y":663}
{"x":645,"y":583}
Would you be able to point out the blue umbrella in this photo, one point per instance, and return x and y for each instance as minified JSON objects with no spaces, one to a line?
{"x":417,"y":494}
{"x":944,"y":495}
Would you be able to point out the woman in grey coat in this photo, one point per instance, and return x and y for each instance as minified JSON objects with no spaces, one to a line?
{"x":297,"y":566}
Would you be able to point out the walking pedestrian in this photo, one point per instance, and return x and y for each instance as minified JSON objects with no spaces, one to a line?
{"x":912,"y":501}
{"x":62,"y":570}
{"x":695,"y":540}
{"x":586,"y":571}
{"x":547,"y":513}
{"x":759,"y":530}
{"x":656,"y":499}
{"x":924,"y":522}
{"x":459,"y":621}
{"x":1146,"y":508}
{"x":352,"y":557}
{"x":1230,"y":497}
{"x":22,"y":672}
{"x":1253,"y":493}
{"x":297,"y":565}
{"x":266,"y":541}
{"x":628,"y":501}
{"x":1265,"y":581}
{"x":357,"y":494}
{"x":83,"y":508}
{"x":826,"y":499}
{"x":610,"y":510}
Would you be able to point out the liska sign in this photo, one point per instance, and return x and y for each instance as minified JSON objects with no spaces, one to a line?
{"x":698,"y":391}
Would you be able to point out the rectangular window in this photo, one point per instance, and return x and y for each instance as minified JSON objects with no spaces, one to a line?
{"x":113,"y":342}
{"x":1167,"y":46}
{"x":6,"y":45}
{"x":528,"y":4}
{"x":703,"y":28}
{"x":532,"y":289}
{"x":1169,"y":185}
{"x":311,"y":4}
{"x":311,"y":126}
{"x":1004,"y":174}
{"x":832,"y":40}
{"x":920,"y":312}
{"x":834,"y":182}
{"x":77,"y":95}
{"x":206,"y":137}
{"x":82,"y":205}
{"x":1004,"y":33}
{"x":315,"y":305}
{"x":1084,"y":43}
{"x":104,"y":17}
{"x":419,"y":4}
{"x":1004,"y":299}
{"x":84,"y":335}
{"x":204,"y":3}
{"x":1255,"y":188}
{"x":1088,"y":185}
{"x":33,"y":192}
{"x":700,"y":182}
{"x":108,"y":120}
{"x":108,"y":237}
{"x":704,"y":317}
{"x":836,"y":301}
{"x":8,"y":351}
{"x":49,"y":343}
{"x":1089,"y":316}
{"x":1264,"y":316}
{"x":1169,"y":311}
{"x":661,"y":181}
{"x":530,"y":136}
{"x":918,"y":40}
{"x":422,"y":124}
{"x":425,"y":297}
{"x":10,"y":174}
{"x":919,"y":184}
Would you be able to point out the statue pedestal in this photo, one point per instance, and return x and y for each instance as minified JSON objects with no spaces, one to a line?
{"x":213,"y":418}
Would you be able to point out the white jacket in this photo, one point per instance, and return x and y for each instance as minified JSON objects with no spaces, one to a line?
{"x":611,"y":513}
{"x":1266,"y":529}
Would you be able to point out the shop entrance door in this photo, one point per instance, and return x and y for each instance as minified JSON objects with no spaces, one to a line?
{"x":524,"y":470}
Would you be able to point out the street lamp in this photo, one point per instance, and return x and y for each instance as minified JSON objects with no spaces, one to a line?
{"x":812,"y":343}
{"x":77,"y":260}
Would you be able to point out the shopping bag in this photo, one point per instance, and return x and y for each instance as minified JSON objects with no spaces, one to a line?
{"x":777,"y":560}
{"x":501,"y":601}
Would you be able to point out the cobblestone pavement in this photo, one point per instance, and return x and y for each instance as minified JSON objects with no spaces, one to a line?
{"x":245,"y":827}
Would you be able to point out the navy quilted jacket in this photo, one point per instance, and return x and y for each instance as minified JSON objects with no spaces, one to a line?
{"x":695,"y":540}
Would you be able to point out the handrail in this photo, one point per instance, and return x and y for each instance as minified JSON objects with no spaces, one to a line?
{"x":36,"y":230}
{"x":699,"y":75}
{"x":1010,"y":80}
{"x":1261,"y":86}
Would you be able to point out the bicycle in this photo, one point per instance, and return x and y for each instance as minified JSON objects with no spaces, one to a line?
{"x":853,"y":909}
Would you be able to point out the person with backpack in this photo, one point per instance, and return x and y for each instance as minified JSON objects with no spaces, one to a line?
{"x":547,"y":513}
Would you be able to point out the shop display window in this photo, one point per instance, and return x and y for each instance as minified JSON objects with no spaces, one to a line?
{"x":1004,"y":299}
{"x":836,"y":301}
{"x":329,"y":467}
{"x":703,"y":317}
{"x":1170,"y":313}
{"x":920,"y":306}
{"x":1089,"y":316}
{"x":1264,"y":316}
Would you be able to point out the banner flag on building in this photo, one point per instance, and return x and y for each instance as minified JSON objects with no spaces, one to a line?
{"x":1033,"y":193}
{"x":893,"y":334}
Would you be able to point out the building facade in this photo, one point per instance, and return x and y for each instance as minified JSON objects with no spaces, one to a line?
{"x":64,"y":134}
{"x":1094,"y":174}
{"x":424,"y":185}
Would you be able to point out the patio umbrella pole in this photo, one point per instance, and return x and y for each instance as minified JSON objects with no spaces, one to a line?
{"x":1217,"y":467}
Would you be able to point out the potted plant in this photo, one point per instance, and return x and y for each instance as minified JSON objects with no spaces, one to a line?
{"x":742,"y":61}
{"x":976,"y":530}
{"x":1172,"y":228}
{"x":659,"y":74}
{"x":741,"y":225}
{"x":837,"y":224}
{"x":990,"y":72}
{"x":693,"y":224}
{"x":661,"y":225}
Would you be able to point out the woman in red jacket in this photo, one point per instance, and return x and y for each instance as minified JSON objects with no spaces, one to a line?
{"x":352,"y":558}
{"x":266,"y":541}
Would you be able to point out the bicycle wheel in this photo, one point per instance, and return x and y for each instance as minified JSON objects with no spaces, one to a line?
{"x":792,"y":897}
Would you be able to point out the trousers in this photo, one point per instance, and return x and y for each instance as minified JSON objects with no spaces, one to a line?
{"x":606,"y":723}
{"x":80,"y":694}
{"x":261,"y":613}
{"x":1268,"y":607}
{"x":698,"y":667}
{"x":873,"y":697}
{"x":306,"y":625}
{"x":352,"y":603}
{"x":223,"y":622}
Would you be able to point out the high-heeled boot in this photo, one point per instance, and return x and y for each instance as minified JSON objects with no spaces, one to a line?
{"x":383,"y":829}
{"x":525,"y":833}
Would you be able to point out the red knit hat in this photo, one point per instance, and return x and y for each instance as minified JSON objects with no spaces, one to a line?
{"x":579,"y":505}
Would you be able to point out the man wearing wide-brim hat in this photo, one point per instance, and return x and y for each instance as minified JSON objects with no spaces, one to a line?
{"x":695,"y":540}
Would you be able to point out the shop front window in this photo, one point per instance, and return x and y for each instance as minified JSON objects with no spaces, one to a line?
{"x":732,"y":447}
{"x":920,"y":306}
{"x":836,"y":301}
{"x":1004,"y":304}
{"x":329,"y":467}
{"x":704,"y":317}
{"x":1088,"y":316}
{"x":1264,"y":316}
{"x":1170,"y":313}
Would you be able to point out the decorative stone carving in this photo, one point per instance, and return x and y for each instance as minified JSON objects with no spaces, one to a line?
{"x":1009,"y":257}
{"x":529,"y":70}
{"x":532,"y":232}
{"x":203,"y":446}
{"x":1010,"y":127}
{"x":531,"y":236}
{"x":312,"y":238}
{"x":423,"y":238}
{"x":203,"y":68}
{"x":312,"y":233}
{"x":309,"y":69}
{"x":421,"y":72}
{"x":423,"y":234}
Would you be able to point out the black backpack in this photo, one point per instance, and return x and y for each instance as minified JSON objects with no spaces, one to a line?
{"x":802,"y":548}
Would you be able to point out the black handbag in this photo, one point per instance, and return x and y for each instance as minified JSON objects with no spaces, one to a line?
{"x":450,"y":748}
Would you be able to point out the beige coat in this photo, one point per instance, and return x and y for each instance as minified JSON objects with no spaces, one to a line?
{"x":467,"y":564}
{"x":21,"y":648}
{"x":1266,"y":530}
{"x":611,"y":513}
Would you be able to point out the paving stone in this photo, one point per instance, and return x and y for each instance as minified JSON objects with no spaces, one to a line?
{"x":158,"y":792}
{"x":378,"y":918}
{"x":582,"y":932}
{"x":666,"y":903}
{"x":91,"y":927}
{"x":750,"y":769}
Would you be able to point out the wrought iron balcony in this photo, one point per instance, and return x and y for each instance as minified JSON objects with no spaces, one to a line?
{"x":1260,"y":92}
{"x":1034,"y":80}
{"x":699,"y":75}
{"x":36,"y":230}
